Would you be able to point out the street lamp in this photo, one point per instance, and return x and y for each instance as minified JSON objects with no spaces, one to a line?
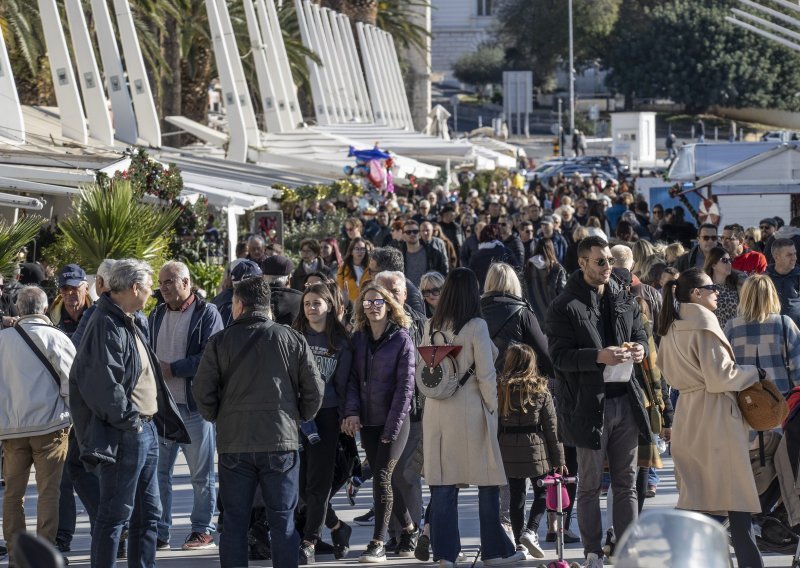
{"x":571,"y":75}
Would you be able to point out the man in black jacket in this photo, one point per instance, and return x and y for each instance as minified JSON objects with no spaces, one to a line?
{"x":595,"y":334}
{"x":120,"y":405}
{"x":256,"y":408}
{"x":419,"y":257}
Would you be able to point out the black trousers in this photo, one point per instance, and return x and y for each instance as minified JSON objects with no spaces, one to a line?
{"x":316,"y":472}
{"x":571,"y":461}
{"x":518,"y":491}
{"x":383,"y":459}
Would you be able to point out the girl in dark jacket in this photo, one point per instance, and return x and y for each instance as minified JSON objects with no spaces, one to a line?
{"x":544,"y":276}
{"x":319,"y":323}
{"x":379,"y":396}
{"x":528,"y":440}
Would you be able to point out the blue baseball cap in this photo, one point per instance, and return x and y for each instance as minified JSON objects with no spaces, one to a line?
{"x":244,"y":270}
{"x":71,"y":275}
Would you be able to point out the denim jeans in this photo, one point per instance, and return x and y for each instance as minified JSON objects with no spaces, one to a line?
{"x":129,"y":490}
{"x":200,"y":459}
{"x":277,"y":473}
{"x":75,"y":479}
{"x":652,"y":476}
{"x":445,"y":538}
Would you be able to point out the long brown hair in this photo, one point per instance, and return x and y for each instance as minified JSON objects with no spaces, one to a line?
{"x":335,"y":331}
{"x":348,"y":257}
{"x":713,"y":257}
{"x":520,"y":381}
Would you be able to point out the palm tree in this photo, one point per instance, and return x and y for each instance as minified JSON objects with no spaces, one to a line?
{"x":113,"y":223}
{"x":12,"y":238}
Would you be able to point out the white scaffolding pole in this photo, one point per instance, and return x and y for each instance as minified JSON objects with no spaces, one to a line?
{"x":328,"y":64}
{"x":272,"y":119}
{"x":89,"y":76}
{"x":283,"y":62}
{"x":73,"y":122}
{"x":12,"y":125}
{"x":121,"y":106}
{"x":356,"y":70}
{"x":322,"y":107}
{"x":376,"y":95}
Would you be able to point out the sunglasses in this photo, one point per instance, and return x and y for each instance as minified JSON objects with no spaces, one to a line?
{"x":725,"y":260}
{"x":412,"y":232}
{"x":431,"y":292}
{"x":378,"y":302}
{"x":602,"y":261}
{"x":709,"y":237}
{"x":710,"y":287}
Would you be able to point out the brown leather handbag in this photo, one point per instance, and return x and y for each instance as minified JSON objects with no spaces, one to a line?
{"x":762,"y":404}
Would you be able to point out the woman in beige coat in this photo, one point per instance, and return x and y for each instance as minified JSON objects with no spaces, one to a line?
{"x":460,"y":433}
{"x":709,"y":436}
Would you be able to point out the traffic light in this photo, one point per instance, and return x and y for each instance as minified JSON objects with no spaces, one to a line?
{"x":556,"y":147}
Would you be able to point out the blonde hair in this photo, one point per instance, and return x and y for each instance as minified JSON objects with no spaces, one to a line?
{"x":644,"y":253}
{"x":394,"y":311}
{"x":502,"y":278}
{"x":579,"y":233}
{"x":520,"y":380}
{"x":758,"y":299}
{"x":674,"y":250}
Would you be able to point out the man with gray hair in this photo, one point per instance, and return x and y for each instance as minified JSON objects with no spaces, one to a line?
{"x":179,"y":331}
{"x":384,"y":259}
{"x":35,"y":361}
{"x":120,"y":405}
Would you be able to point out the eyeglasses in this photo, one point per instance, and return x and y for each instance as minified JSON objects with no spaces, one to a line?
{"x":306,"y":251}
{"x":412,"y":232}
{"x":431,"y":292}
{"x":709,"y":237}
{"x":725,"y":260}
{"x":713,"y":288}
{"x":360,"y":249}
{"x":378,"y":302}
{"x":602,"y":261}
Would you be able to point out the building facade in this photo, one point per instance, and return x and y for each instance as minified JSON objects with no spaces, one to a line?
{"x":458,"y":27}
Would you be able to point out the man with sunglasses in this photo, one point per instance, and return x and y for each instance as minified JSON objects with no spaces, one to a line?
{"x":419,"y":257}
{"x":707,"y":239}
{"x":744,"y":259}
{"x":593,"y":327}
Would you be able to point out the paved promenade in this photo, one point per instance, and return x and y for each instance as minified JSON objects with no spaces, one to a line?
{"x":468,"y":512}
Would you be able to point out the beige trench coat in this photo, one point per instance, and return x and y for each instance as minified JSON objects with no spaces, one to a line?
{"x":710,"y":444}
{"x":460,"y":433}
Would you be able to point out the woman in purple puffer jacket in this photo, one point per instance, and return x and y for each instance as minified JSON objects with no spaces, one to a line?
{"x":378,"y":402}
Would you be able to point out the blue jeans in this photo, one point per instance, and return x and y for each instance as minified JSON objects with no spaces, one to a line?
{"x":74,"y":479}
{"x":652,"y":476}
{"x":129,"y":490}
{"x":445,"y":538}
{"x":277,"y":473}
{"x":200,"y":459}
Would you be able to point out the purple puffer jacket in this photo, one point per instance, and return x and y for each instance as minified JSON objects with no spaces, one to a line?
{"x":382,"y":383}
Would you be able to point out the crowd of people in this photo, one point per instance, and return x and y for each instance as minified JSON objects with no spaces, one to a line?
{"x":588,"y":324}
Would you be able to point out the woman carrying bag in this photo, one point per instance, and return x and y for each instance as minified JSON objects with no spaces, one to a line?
{"x":460,"y":443}
{"x":759,"y":331}
{"x":710,"y":437}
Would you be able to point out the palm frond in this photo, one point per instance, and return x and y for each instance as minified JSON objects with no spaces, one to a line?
{"x":114,"y":224}
{"x":13,"y":238}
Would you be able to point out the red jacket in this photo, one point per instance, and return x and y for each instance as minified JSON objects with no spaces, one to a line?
{"x":750,"y":262}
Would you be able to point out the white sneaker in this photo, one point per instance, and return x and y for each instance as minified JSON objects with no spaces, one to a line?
{"x":518,"y":556}
{"x":530,"y":540}
{"x":524,"y":550}
{"x":593,"y":561}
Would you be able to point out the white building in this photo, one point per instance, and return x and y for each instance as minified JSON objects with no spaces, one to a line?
{"x":458,"y":27}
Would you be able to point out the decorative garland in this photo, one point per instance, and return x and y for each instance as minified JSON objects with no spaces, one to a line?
{"x":676,"y":192}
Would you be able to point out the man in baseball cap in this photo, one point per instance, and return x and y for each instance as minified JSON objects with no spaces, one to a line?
{"x":72,"y":299}
{"x":239,"y":270}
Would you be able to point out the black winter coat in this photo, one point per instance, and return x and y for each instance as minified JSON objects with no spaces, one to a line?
{"x":103,"y":375}
{"x":510,"y":319}
{"x":483,"y":258}
{"x":257,"y":405}
{"x":571,"y":326}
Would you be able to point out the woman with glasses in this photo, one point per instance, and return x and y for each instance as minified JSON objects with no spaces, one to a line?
{"x":718,"y":267}
{"x":710,"y":440}
{"x":460,"y":443}
{"x":353,"y":268}
{"x":761,"y":336}
{"x":430,"y":285}
{"x":378,"y":403}
{"x":545,"y":278}
{"x":318,"y":322}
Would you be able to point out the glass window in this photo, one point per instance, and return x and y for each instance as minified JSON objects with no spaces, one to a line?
{"x":485,"y":7}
